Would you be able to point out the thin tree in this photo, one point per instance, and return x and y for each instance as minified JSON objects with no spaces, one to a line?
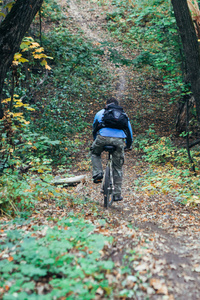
{"x":12,"y":31}
{"x":190,"y":47}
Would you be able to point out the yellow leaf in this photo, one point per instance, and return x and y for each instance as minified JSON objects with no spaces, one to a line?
{"x":15,"y":63}
{"x":17,"y":56}
{"x":47,"y":67}
{"x":40,"y":171}
{"x":28,"y":38}
{"x":6,"y":100}
{"x":9,"y":5}
{"x":51,"y":194}
{"x":28,"y":191}
{"x":23,"y":60}
{"x":34,"y":45}
{"x":30,"y":108}
{"x":41,"y":49}
{"x":17,"y":114}
{"x":38,"y":56}
{"x":43,"y":62}
{"x":25,"y":45}
{"x":18,"y":104}
{"x":25,"y":122}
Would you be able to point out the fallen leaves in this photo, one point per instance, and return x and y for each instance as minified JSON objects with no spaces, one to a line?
{"x":159,"y":286}
{"x":10,"y":258}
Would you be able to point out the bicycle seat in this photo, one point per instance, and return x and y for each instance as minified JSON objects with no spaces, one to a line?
{"x":109,"y":148}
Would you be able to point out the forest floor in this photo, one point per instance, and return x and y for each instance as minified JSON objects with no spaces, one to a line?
{"x":163,"y":233}
{"x":168,"y":230}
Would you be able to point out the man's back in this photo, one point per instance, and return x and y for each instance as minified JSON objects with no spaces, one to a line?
{"x":104,"y":134}
{"x":107,"y":131}
{"x":103,"y":130}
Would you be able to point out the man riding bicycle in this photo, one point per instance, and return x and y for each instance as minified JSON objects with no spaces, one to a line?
{"x":111,"y":126}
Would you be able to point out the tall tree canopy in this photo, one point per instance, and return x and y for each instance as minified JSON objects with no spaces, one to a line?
{"x":12,"y":31}
{"x":190,"y":46}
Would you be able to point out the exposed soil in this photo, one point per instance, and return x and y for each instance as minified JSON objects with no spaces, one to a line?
{"x":172,"y":230}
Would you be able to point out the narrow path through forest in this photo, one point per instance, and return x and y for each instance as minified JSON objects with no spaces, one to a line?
{"x":92,"y":23}
{"x":168,"y":231}
{"x":172,"y":230}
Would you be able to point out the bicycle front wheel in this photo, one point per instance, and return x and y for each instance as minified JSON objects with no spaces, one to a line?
{"x":108,"y":195}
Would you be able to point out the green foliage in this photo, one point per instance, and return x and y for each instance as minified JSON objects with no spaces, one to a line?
{"x":160,"y":150}
{"x":77,"y":79}
{"x":35,"y":52}
{"x":170,"y":180}
{"x":78,"y":64}
{"x":150,"y":28}
{"x":67,"y":258}
{"x":21,"y":145}
{"x":168,"y":171}
{"x":5,"y":5}
{"x":20,"y":193}
{"x":51,"y":10}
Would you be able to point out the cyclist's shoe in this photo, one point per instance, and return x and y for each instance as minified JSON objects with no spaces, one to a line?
{"x":117,"y":198}
{"x":98,"y":178}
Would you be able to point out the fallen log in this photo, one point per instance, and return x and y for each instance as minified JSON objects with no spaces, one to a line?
{"x":70,"y":180}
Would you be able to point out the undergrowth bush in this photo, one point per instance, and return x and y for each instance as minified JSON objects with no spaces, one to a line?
{"x":182,"y":184}
{"x":51,"y":10}
{"x":67,"y":256}
{"x":20,"y":192}
{"x":169,"y":169}
{"x":161,"y":150}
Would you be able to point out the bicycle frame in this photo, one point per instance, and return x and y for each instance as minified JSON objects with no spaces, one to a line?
{"x":110,"y":186}
{"x":111,"y":172}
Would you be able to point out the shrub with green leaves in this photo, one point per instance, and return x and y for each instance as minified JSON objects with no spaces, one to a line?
{"x":180,"y":183}
{"x":20,"y":192}
{"x":51,"y":10}
{"x":66,"y":259}
{"x":169,"y":170}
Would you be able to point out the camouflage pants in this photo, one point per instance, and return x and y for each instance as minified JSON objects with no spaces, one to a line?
{"x":118,"y":158}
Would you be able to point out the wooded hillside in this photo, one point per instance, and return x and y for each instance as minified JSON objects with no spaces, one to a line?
{"x":59,"y":63}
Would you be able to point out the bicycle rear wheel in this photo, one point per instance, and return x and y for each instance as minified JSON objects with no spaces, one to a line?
{"x":107,"y":188}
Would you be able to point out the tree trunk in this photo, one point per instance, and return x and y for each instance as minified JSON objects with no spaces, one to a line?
{"x":191,"y":48}
{"x":12,"y":31}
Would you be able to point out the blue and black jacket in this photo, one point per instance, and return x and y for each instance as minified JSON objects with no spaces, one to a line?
{"x":127,"y":133}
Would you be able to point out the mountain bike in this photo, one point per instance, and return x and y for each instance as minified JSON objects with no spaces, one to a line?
{"x":107,"y":187}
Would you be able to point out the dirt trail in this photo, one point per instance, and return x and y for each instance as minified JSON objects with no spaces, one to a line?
{"x":91,"y":19}
{"x":172,"y":230}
